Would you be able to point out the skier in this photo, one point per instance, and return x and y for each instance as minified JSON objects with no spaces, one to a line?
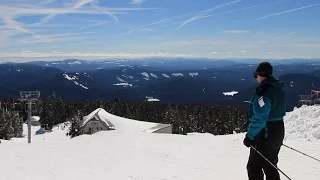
{"x":266,"y":127}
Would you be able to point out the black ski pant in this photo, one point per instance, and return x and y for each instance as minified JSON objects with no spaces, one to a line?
{"x":269,"y":147}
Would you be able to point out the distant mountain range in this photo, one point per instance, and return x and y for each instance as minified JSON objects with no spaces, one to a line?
{"x":169,"y":80}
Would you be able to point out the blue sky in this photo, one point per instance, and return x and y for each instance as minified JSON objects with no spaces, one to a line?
{"x":92,"y":29}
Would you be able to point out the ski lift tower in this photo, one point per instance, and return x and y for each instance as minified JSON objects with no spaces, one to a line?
{"x":29,"y":96}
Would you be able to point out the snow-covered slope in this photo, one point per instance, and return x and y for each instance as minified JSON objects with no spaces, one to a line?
{"x":138,"y":155}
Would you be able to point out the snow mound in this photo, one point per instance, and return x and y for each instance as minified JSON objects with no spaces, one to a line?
{"x":303,"y":123}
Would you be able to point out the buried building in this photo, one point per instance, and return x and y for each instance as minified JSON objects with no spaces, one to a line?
{"x":100,"y":120}
{"x":35,"y":121}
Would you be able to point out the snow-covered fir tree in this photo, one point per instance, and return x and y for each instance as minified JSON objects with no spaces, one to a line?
{"x":75,"y":128}
{"x":11,"y":125}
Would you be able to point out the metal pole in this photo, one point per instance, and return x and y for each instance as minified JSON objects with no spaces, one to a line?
{"x":29,"y":96}
{"x":301,"y":152}
{"x":270,"y":162}
{"x":29,"y":121}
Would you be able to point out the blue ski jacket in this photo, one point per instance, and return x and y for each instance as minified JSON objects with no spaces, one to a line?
{"x":267,"y":105}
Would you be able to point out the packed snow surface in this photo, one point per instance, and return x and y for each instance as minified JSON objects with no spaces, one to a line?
{"x":134,"y":155}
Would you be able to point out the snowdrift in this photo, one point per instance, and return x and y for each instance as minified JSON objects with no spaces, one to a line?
{"x":303,"y":123}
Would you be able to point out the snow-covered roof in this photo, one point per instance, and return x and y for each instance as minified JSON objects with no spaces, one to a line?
{"x":97,"y":114}
{"x":35,"y":118}
{"x":120,"y":123}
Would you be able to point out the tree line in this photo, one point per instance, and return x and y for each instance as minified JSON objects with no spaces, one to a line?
{"x":185,"y":118}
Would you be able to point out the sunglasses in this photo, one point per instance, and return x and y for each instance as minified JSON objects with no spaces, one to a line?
{"x":255,"y":74}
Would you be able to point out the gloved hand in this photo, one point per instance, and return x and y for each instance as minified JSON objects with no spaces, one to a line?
{"x":248,"y":142}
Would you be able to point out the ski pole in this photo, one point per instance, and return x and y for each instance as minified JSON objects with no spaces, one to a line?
{"x":301,"y":152}
{"x":270,"y":162}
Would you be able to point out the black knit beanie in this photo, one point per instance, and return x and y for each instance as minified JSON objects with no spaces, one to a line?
{"x":264,"y":69}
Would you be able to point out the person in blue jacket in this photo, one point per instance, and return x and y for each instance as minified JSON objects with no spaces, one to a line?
{"x":266,"y":127}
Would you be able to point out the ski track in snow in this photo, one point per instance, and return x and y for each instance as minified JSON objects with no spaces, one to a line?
{"x":122,"y":154}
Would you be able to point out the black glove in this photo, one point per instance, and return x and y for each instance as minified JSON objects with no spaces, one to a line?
{"x":248,"y":142}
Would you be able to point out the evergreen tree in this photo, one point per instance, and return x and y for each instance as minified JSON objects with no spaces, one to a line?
{"x":11,"y":125}
{"x":17,"y":124}
{"x":76,"y":126}
{"x":47,"y":117}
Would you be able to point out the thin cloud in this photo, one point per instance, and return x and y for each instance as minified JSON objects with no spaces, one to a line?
{"x":26,"y":51}
{"x":227,"y":12}
{"x":108,"y":13}
{"x":156,"y":37}
{"x":137,"y":1}
{"x":12,"y":24}
{"x":194,"y":18}
{"x":246,"y":8}
{"x":147,"y":29}
{"x":170,"y":24}
{"x":202,"y":13}
{"x":10,"y":10}
{"x":192,"y":42}
{"x":129,"y":32}
{"x":136,"y":31}
{"x":235,"y":31}
{"x":220,"y":6}
{"x":46,"y":2}
{"x":96,"y":24}
{"x":88,"y":55}
{"x":78,"y":4}
{"x":212,"y":43}
{"x":292,"y":10}
{"x":165,"y":20}
{"x":5,"y":35}
{"x":129,"y":9}
{"x":197,"y":16}
{"x":9,"y":13}
{"x":317,"y":46}
{"x":51,"y":38}
{"x":81,"y":3}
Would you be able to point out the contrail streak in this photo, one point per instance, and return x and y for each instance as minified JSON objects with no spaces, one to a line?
{"x":292,"y":10}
